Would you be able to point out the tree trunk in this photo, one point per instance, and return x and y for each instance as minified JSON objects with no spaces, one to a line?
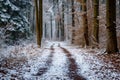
{"x":58,"y":21}
{"x":37,"y":24}
{"x":96,"y":21}
{"x":111,"y":26}
{"x":45,"y":30}
{"x":38,"y":7}
{"x":41,"y":19}
{"x":119,"y":9}
{"x":51,"y":26}
{"x":62,"y":20}
{"x":73,"y":22}
{"x":85,"y":23}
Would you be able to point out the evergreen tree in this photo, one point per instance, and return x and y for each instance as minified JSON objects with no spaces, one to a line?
{"x":14,"y":17}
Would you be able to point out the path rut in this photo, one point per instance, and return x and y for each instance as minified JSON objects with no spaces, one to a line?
{"x":43,"y":70}
{"x":72,"y":66}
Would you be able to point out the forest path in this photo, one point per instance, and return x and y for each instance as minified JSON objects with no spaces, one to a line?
{"x":59,"y":65}
{"x":59,"y":61}
{"x":72,"y":66}
{"x":47,"y":63}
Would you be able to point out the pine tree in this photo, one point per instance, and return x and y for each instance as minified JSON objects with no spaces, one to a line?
{"x":111,"y":26}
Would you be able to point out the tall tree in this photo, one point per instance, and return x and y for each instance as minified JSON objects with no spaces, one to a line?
{"x":38,"y":7}
{"x":85,"y":22}
{"x":41,"y":19}
{"x":111,"y":26}
{"x":51,"y":26}
{"x":119,"y":8}
{"x":96,"y":21}
{"x":58,"y":20}
{"x":62,"y":21}
{"x":73,"y":22}
{"x":45,"y":30}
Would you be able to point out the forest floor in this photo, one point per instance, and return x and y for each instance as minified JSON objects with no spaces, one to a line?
{"x":57,"y":61}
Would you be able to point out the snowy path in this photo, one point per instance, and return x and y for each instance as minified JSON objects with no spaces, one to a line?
{"x":58,"y":61}
{"x":57,"y":64}
{"x":47,"y":63}
{"x":72,"y":66}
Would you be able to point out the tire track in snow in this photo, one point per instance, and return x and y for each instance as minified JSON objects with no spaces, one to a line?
{"x":58,"y":70}
{"x":72,"y":66}
{"x":44,"y":69}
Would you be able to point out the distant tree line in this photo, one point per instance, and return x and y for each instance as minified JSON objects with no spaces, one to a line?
{"x":60,"y":8}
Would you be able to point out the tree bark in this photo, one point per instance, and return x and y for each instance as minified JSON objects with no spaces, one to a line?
{"x":51,"y":26}
{"x":96,"y":21}
{"x":85,"y":22}
{"x":62,"y":20}
{"x":45,"y":30}
{"x":73,"y":22}
{"x":38,"y":8}
{"x":111,"y":26}
{"x":58,"y":21}
{"x":41,"y":19}
{"x":37,"y":23}
{"x":119,"y":8}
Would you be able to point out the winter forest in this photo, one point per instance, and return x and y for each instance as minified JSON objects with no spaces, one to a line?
{"x":59,"y":39}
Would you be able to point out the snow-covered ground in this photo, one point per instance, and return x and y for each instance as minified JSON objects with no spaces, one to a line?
{"x":57,"y":61}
